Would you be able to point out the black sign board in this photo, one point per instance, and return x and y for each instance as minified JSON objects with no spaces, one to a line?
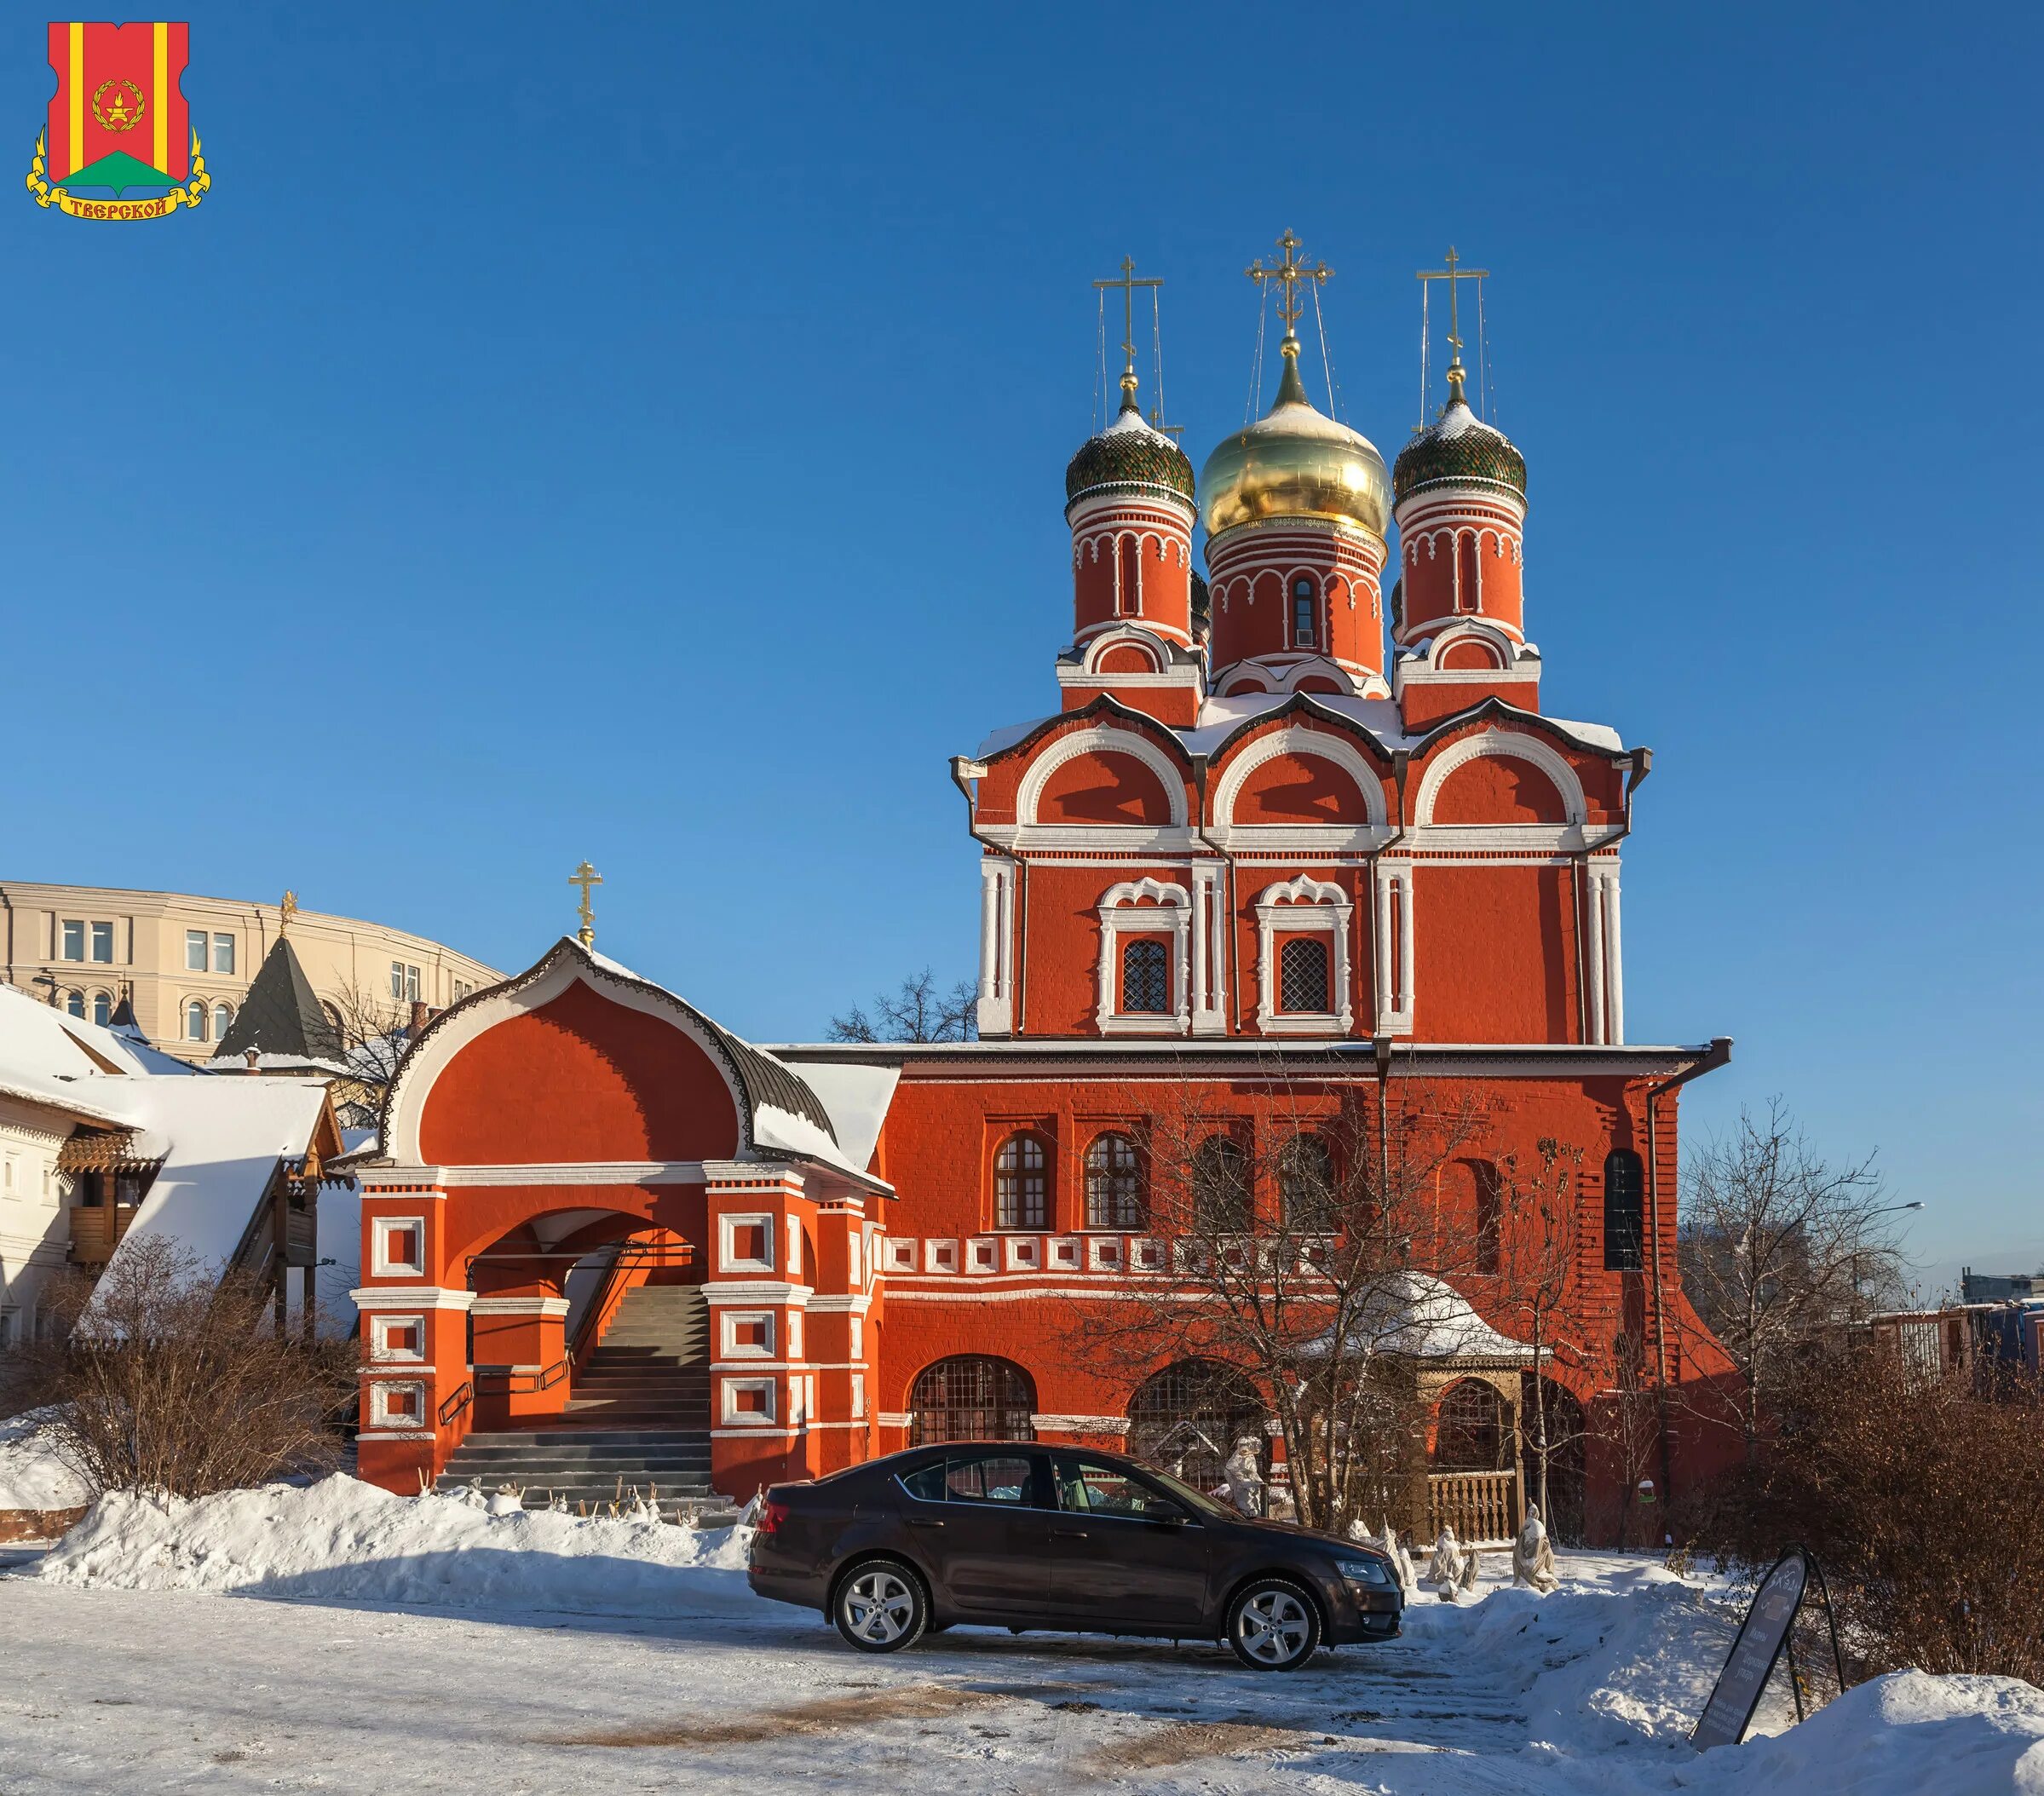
{"x":1762,"y":1636}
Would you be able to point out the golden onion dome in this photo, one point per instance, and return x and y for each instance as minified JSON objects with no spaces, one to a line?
{"x":1296,"y":463}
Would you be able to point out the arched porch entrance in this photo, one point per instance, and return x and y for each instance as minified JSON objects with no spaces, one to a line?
{"x":1186,"y":1418}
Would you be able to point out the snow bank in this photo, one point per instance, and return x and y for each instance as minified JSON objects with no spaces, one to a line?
{"x":31,"y":1475}
{"x":342,"y":1539}
{"x":1908,"y":1733}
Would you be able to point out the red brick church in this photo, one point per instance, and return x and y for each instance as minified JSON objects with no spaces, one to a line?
{"x":602,"y":1234}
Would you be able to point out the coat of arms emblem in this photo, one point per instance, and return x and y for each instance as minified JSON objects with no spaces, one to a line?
{"x":118,"y":142}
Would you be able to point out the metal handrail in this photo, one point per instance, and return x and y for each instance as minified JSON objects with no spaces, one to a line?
{"x":524,"y":1384}
{"x":457,"y":1401}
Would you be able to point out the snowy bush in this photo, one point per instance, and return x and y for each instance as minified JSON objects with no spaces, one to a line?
{"x":162,"y":1377}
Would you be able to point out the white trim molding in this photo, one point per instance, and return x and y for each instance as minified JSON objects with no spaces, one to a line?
{"x":1604,"y":954}
{"x":1514,"y":744}
{"x":1394,"y":934}
{"x":1304,"y":742}
{"x":1304,"y":907}
{"x":1144,"y":907}
{"x":997,"y":946}
{"x":1101,"y":739}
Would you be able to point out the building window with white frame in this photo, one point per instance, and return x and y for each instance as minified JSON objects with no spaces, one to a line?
{"x":195,"y":951}
{"x":102,"y":943}
{"x":1302,"y":614}
{"x":195,"y":1021}
{"x":73,"y":947}
{"x":1302,"y":975}
{"x":1145,"y":978}
{"x":75,"y":1005}
{"x":102,"y":1008}
{"x":223,"y":953}
{"x":223,"y":1017}
{"x":1022,"y":1184}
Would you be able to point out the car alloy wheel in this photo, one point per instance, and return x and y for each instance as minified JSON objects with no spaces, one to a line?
{"x":880,"y":1608}
{"x":1273,"y":1626}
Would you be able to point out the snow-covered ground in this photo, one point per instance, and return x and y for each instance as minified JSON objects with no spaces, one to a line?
{"x":422,"y":1643}
{"x":31,"y":1475}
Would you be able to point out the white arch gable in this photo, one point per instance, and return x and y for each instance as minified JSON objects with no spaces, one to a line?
{"x":465,"y":1022}
{"x":1515,"y":744}
{"x":1101,"y":739}
{"x":1148,"y":640}
{"x":1295,"y":738}
{"x":1303,"y":889}
{"x":1135,"y":891}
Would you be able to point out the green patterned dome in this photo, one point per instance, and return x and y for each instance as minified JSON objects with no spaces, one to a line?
{"x":1461,"y":448}
{"x":1129,"y":453}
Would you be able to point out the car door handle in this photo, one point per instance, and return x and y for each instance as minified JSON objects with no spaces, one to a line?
{"x":1068,"y":1534}
{"x":923,"y":1522}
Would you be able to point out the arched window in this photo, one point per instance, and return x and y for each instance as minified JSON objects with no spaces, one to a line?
{"x":1470,"y":1430}
{"x":971,"y":1397}
{"x":75,"y":1004}
{"x":1186,"y":1419}
{"x":223,"y":1015}
{"x":1305,"y":1185}
{"x":1302,"y":975}
{"x":1625,"y":1212}
{"x":102,"y":1008}
{"x":1022,"y":1184}
{"x":1220,"y":1187}
{"x":195,"y":1021}
{"x":1145,"y":979}
{"x":1302,"y":614}
{"x":1114,"y":1185}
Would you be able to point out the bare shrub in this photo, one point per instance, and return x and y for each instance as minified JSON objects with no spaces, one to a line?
{"x":1923,"y":1503}
{"x":163,"y":1378}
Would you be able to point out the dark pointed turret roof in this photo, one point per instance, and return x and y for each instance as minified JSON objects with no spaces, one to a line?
{"x":280,"y":1015}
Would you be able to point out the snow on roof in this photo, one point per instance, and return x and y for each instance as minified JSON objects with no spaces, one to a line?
{"x":1418,"y":1316}
{"x":1007,"y":737}
{"x":39,"y":1040}
{"x":223,"y":1138}
{"x":857,"y":1097}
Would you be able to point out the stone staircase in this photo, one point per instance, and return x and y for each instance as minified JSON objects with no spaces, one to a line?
{"x":640,"y":1413}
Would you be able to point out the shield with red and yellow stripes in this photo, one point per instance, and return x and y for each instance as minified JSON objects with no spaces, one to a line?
{"x":118,"y":121}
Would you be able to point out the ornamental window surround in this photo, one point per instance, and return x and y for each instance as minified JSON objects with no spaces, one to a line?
{"x":1160,"y":913}
{"x":1309,"y":914}
{"x":1022,"y":1184}
{"x":1302,"y":614}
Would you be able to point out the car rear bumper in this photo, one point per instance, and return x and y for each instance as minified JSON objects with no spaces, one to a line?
{"x":783,"y":1578}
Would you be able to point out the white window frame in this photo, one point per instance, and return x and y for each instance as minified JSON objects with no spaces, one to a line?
{"x":382,"y":1322}
{"x":195,"y":941}
{"x":381,"y":1228}
{"x":223,"y":951}
{"x":93,"y":943}
{"x":730,"y":1416}
{"x":65,"y":927}
{"x":727,"y":1257}
{"x":1144,"y":907}
{"x":1303,"y":906}
{"x":730,"y":1347}
{"x":383,"y":1391}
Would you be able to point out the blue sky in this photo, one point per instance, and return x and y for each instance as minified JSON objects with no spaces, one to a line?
{"x":641,"y":435}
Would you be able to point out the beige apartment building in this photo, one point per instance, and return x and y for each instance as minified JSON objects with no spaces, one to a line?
{"x":185,"y":962}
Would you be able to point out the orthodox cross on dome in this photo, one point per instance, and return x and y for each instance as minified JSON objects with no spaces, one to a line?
{"x":1128,"y":283}
{"x":1288,"y":271}
{"x":287,"y":911}
{"x":585,"y":876}
{"x":1454,"y":274}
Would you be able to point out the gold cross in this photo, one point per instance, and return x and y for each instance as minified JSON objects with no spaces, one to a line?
{"x":1453,"y":273}
{"x":1128,"y":283}
{"x":1289,"y":272}
{"x":585,"y":876}
{"x":287,"y":911}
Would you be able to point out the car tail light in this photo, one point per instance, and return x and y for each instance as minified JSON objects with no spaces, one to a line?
{"x":770,"y":1518}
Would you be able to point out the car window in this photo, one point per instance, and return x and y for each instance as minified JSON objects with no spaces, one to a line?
{"x":1101,"y":1489}
{"x":926,"y":1483}
{"x":988,"y":1478}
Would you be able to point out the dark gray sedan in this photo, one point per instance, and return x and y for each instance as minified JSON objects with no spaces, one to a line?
{"x":1018,"y":1536}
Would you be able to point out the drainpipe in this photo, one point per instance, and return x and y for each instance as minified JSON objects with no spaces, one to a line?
{"x":1715,"y":1056}
{"x":6,"y":904}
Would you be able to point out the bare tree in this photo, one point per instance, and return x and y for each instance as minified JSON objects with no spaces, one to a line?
{"x":1538,"y":1236}
{"x":1307,"y":1248}
{"x":162,"y":1377}
{"x":918,"y":1011}
{"x":1779,"y":1248}
{"x":1626,"y":1423}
